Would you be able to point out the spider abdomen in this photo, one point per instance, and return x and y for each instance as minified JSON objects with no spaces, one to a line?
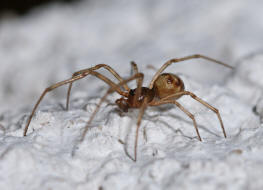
{"x":167,"y":84}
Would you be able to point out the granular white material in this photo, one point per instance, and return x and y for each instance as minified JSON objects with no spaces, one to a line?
{"x":169,"y":154}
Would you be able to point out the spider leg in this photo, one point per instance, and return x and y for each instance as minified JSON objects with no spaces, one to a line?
{"x":215,"y":110}
{"x":149,"y":66}
{"x":71,"y":80}
{"x":157,"y":103}
{"x":195,"y":56}
{"x":134,"y":70}
{"x":142,"y":109}
{"x":136,"y":76}
{"x":107,"y":67}
{"x":138,"y":82}
{"x":134,"y":67}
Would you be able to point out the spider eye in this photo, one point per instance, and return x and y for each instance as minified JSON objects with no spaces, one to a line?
{"x":132,"y":92}
{"x":169,"y":81}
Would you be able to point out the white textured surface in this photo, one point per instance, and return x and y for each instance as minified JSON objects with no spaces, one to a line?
{"x":47,"y":46}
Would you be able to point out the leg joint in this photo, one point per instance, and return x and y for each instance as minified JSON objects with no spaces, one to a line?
{"x":192,"y":95}
{"x":216,"y":110}
{"x":197,"y":56}
{"x":49,"y":89}
{"x":174,"y":60}
{"x":191,"y":116}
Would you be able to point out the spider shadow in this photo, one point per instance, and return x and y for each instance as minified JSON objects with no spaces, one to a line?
{"x":160,"y":109}
{"x":128,"y":129}
{"x":185,"y":121}
{"x":152,"y":118}
{"x":157,"y":118}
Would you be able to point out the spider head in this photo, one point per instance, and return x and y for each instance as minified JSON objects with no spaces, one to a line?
{"x":167,"y":84}
{"x":123,"y":104}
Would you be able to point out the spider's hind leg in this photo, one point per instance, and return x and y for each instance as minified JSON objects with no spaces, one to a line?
{"x":192,"y":95}
{"x":176,"y":60}
{"x":157,"y":103}
{"x":215,"y":110}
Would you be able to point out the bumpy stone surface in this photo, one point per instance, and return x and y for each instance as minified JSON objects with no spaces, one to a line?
{"x":49,"y":44}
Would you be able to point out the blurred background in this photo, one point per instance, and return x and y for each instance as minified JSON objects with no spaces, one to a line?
{"x":23,"y":7}
{"x":43,"y":42}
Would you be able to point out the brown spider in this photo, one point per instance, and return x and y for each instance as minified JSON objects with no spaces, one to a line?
{"x":164,"y":88}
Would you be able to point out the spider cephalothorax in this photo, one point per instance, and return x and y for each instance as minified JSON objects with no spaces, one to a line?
{"x":164,"y":88}
{"x":132,"y":101}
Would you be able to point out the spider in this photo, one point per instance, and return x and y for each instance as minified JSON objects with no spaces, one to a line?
{"x":164,"y":88}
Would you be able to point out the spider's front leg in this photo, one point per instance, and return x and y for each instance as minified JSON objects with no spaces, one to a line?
{"x":144,"y":104}
{"x":141,"y":113}
{"x":87,"y":71}
{"x":71,"y":80}
{"x":135,"y":70}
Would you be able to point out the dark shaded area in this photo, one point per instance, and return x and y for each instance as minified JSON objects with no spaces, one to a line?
{"x":23,"y":6}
